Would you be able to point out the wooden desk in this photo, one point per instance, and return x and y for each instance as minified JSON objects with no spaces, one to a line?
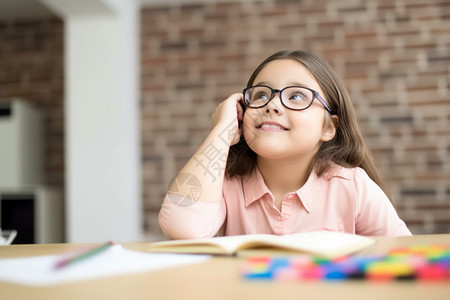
{"x":220,"y":278}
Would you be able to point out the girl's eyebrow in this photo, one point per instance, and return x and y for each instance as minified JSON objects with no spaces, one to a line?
{"x":263,"y":83}
{"x":292,"y":83}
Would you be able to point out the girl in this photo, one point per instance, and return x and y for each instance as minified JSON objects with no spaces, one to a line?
{"x":291,"y":159}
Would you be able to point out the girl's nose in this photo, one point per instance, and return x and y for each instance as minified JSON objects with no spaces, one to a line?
{"x":274,"y":105}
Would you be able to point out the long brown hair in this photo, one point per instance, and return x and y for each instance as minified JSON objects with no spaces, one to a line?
{"x":348,"y":148}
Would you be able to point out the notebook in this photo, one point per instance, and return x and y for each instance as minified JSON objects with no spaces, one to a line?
{"x":322,"y":243}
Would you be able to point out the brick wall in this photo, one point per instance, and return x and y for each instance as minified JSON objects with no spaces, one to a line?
{"x":31,"y":68}
{"x":394,"y":56}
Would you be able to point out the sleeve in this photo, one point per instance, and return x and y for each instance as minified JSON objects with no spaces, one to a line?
{"x":199,"y":220}
{"x":376,"y":214}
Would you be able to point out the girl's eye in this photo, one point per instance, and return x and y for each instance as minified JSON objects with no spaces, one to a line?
{"x":298,"y":97}
{"x":260,"y":96}
{"x":298,"y":94}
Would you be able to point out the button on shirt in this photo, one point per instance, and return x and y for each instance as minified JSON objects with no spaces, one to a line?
{"x":343,"y":200}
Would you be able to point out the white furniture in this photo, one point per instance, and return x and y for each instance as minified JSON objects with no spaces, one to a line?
{"x":35,"y":210}
{"x":21,"y":146}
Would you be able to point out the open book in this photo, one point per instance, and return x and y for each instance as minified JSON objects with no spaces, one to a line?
{"x":321,"y":243}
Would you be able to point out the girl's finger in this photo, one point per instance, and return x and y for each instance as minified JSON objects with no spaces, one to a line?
{"x":240,"y":110}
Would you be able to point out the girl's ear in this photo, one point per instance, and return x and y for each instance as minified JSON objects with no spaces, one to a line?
{"x":330,"y":131}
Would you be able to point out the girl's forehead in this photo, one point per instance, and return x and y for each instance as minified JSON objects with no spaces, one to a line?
{"x":286,"y":71}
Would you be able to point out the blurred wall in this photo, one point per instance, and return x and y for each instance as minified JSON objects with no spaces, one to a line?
{"x":31,"y":68}
{"x":394,"y":57}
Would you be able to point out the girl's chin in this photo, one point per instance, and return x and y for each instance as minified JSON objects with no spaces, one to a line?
{"x":274,"y":152}
{"x":270,"y":141}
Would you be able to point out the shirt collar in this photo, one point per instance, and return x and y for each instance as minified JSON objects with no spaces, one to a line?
{"x":310,"y":191}
{"x":254,"y":186}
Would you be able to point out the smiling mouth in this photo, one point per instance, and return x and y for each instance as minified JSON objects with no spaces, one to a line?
{"x":271,"y":127}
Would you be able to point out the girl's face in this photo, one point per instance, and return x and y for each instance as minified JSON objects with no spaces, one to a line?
{"x":276,"y":132}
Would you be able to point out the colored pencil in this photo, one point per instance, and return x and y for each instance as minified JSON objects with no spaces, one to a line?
{"x":83,"y":255}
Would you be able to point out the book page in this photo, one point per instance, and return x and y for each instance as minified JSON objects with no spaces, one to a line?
{"x":224,"y":244}
{"x":324,"y":243}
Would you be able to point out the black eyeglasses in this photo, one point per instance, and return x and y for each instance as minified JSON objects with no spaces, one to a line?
{"x":292,"y":97}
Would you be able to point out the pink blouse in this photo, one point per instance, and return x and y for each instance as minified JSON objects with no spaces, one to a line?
{"x":343,"y":199}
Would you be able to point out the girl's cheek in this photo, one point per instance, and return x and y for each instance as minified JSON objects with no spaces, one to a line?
{"x":250,"y":122}
{"x":246,"y":120}
{"x":252,"y":117}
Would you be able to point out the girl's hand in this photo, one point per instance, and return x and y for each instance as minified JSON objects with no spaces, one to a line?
{"x":228,"y":116}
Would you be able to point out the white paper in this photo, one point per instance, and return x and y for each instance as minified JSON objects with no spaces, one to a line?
{"x":40,"y":270}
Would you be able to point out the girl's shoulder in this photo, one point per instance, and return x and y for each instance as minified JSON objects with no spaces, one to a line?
{"x":353,"y":177}
{"x":346,"y":173}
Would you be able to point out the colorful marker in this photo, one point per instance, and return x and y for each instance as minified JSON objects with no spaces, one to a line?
{"x":418,"y":262}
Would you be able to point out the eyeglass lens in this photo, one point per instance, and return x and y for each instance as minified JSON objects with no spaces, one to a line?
{"x":292,"y":97}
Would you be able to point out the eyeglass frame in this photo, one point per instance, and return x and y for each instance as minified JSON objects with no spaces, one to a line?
{"x":316,"y":95}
